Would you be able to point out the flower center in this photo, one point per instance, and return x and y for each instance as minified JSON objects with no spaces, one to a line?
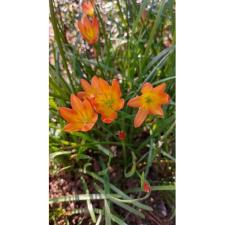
{"x":148,"y":100}
{"x":85,"y":118}
{"x":109,"y":102}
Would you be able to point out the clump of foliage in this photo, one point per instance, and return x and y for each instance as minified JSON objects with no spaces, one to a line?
{"x":105,"y":58}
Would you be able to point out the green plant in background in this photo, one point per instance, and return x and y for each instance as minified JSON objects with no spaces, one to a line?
{"x":133,"y":44}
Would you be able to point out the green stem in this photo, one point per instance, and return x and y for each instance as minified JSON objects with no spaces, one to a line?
{"x":124,"y":154}
{"x":98,"y":55}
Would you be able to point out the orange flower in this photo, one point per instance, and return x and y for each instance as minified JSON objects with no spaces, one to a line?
{"x":81,"y":117}
{"x":149,"y":102}
{"x":89,"y":29}
{"x":122,"y":135}
{"x":90,"y":90}
{"x":88,"y":8}
{"x":105,"y":99}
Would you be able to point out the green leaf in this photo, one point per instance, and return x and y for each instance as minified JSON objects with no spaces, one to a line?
{"x":118,"y":191}
{"x":99,"y":219}
{"x":128,"y":208}
{"x":104,"y":150}
{"x":80,"y":197}
{"x":85,"y":210}
{"x":164,"y":80}
{"x":121,"y":203}
{"x":163,"y":188}
{"x":59,"y":41}
{"x":89,"y":204}
{"x":163,"y":53}
{"x":150,"y":158}
{"x":107,"y":213}
{"x":59,"y":153}
{"x":155,"y":27}
{"x":117,"y":220}
{"x":168,"y":155}
{"x":133,"y":168}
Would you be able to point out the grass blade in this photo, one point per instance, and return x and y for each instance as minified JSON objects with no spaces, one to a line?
{"x":155,"y":27}
{"x":128,"y":208}
{"x":80,"y":197}
{"x":59,"y":153}
{"x":89,"y":204}
{"x":164,"y":188}
{"x":118,"y":191}
{"x":99,"y":219}
{"x":117,"y":220}
{"x":133,"y":168}
{"x":58,"y":41}
{"x":107,"y":213}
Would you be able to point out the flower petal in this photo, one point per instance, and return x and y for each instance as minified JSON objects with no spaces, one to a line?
{"x":157,"y":110}
{"x":104,"y":86}
{"x":67,"y":114}
{"x":70,"y":127}
{"x":146,"y":87}
{"x":86,"y":22}
{"x":109,"y":118}
{"x":116,"y":87}
{"x":84,"y":27}
{"x":88,"y":126}
{"x":80,"y":27}
{"x":76,"y":103}
{"x":134,"y":102}
{"x":81,"y":95}
{"x":87,"y":108}
{"x":120,"y":105}
{"x":95,"y":25}
{"x":140,"y":117}
{"x":164,"y":98}
{"x":160,"y":88}
{"x":89,"y":29}
{"x":95,"y":82}
{"x":85,"y":85}
{"x":87,"y":8}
